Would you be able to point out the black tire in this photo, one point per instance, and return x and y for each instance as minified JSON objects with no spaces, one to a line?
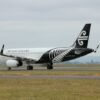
{"x":29,"y":67}
{"x":9,"y":68}
{"x":49,"y":66}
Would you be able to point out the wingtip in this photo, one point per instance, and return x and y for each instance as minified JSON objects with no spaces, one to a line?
{"x":2,"y":49}
{"x":88,"y":23}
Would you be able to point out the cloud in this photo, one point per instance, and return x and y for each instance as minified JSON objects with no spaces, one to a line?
{"x":32,"y":23}
{"x":49,"y":9}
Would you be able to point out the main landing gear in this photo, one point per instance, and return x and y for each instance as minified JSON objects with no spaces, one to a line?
{"x":9,"y":68}
{"x":49,"y":66}
{"x":29,"y":67}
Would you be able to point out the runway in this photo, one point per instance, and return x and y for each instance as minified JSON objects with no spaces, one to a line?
{"x":50,"y":77}
{"x":57,"y":70}
{"x":62,"y":68}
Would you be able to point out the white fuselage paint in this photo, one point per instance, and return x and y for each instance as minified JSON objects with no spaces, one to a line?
{"x":33,"y":53}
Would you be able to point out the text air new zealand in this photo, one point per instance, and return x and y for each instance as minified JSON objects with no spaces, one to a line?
{"x":48,"y":56}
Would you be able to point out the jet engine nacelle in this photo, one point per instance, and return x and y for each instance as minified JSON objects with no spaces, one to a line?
{"x":13,"y":63}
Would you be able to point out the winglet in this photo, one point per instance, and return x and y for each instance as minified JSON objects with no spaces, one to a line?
{"x":96,"y":48}
{"x":2,"y":49}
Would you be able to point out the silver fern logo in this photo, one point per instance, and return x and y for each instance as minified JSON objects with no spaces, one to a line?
{"x":82,"y":37}
{"x":53,"y":53}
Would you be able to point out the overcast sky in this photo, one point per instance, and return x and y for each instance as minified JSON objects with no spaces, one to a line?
{"x":47,"y":23}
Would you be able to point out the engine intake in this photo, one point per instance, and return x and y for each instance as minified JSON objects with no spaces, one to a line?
{"x":14,"y":63}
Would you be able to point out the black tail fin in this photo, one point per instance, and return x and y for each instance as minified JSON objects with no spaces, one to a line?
{"x":82,"y":40}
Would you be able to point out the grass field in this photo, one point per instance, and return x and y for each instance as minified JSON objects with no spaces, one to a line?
{"x":50,"y":89}
{"x":51,"y":73}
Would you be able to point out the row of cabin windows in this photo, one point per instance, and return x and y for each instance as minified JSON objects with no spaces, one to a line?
{"x":17,"y":51}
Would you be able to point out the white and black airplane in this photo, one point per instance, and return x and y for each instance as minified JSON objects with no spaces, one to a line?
{"x":48,"y":56}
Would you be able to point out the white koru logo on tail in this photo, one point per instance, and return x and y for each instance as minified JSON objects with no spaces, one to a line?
{"x":82,"y":37}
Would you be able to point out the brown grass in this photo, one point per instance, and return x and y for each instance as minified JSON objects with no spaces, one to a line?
{"x":49,"y":89}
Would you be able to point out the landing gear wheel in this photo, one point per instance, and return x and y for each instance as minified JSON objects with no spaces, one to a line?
{"x":50,"y":66}
{"x":9,"y":68}
{"x":29,"y":67}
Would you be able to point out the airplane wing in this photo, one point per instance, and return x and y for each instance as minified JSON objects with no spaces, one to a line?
{"x":27,"y":60}
{"x":20,"y":58}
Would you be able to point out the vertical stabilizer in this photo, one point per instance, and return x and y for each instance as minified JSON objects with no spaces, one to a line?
{"x":82,"y":40}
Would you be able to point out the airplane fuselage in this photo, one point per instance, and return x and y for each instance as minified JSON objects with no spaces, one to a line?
{"x":49,"y":55}
{"x":46,"y":55}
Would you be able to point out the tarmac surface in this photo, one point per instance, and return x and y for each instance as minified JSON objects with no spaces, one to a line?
{"x":70,"y":69}
{"x":50,"y":77}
